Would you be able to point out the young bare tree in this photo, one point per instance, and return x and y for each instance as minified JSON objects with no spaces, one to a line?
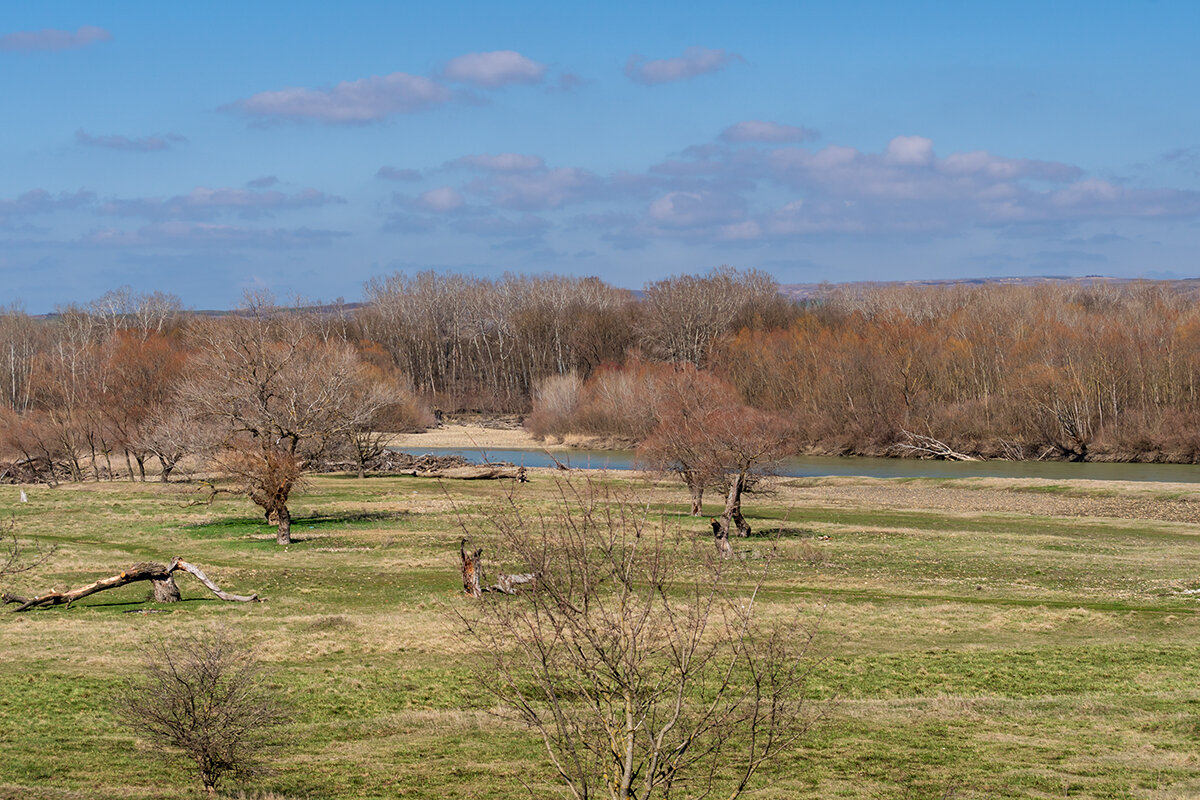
{"x":17,"y":556}
{"x":641,"y":663}
{"x":204,"y":698}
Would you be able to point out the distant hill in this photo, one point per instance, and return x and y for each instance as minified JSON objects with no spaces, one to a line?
{"x":805,"y":291}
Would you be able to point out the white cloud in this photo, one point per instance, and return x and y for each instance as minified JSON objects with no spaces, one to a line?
{"x":693,"y":209}
{"x":494,"y":69}
{"x":442,"y":200}
{"x":398,"y":174}
{"x":753,"y":130}
{"x":137,"y":144}
{"x":501,"y":162}
{"x":552,"y":188}
{"x":695,"y":61}
{"x":193,"y":234}
{"x":205,"y":203}
{"x":499,"y":225}
{"x":367,"y":100}
{"x":909,"y":151}
{"x":52,"y":39}
{"x":40,"y":201}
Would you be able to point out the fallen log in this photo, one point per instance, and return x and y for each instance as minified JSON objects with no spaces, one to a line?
{"x":165,"y":589}
{"x":474,"y":473}
{"x":471,"y":566}
{"x":928,"y":447}
{"x":507,"y":584}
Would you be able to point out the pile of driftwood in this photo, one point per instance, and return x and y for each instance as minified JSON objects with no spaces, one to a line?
{"x":392,"y":462}
{"x":33,"y":470}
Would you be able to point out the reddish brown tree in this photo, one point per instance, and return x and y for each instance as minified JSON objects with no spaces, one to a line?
{"x":282,"y":396}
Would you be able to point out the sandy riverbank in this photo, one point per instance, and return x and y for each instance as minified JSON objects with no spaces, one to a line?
{"x":473,"y":437}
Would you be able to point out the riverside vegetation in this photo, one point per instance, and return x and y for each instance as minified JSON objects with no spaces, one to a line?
{"x":1103,"y":371}
{"x":978,"y":638}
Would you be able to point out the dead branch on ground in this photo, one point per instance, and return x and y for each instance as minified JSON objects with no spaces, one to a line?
{"x":144,"y":571}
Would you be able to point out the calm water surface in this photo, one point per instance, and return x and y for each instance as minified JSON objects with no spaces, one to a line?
{"x":818,"y":466}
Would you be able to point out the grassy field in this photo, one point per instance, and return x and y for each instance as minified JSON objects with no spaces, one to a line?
{"x":969,"y":651}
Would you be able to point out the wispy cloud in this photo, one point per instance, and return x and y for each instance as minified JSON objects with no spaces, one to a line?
{"x":193,"y":234}
{"x":367,"y":100}
{"x":204,"y":203}
{"x":136,"y":144}
{"x":398,"y":174}
{"x":53,"y":39}
{"x":695,"y":61}
{"x":493,"y":69}
{"x":753,"y":130}
{"x":545,"y":189}
{"x":40,"y":201}
{"x":501,"y":162}
{"x":499,"y":225}
{"x":443,"y":200}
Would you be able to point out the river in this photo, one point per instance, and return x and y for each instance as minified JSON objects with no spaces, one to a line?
{"x":819,"y":466}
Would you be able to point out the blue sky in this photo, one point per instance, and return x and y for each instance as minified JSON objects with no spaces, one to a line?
{"x":204,"y":149}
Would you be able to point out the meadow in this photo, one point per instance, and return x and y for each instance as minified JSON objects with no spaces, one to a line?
{"x":978,"y":638}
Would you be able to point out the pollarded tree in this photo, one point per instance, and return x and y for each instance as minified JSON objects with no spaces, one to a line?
{"x":281,"y":395}
{"x":747,"y":444}
{"x":707,"y":435}
{"x":685,"y":398}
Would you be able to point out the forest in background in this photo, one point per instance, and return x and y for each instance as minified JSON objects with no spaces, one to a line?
{"x":1063,"y":371}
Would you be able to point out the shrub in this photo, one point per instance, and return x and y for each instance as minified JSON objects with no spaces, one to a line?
{"x":205,"y":700}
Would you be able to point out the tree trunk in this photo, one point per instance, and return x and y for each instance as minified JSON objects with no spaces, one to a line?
{"x":129,"y":466}
{"x":471,"y":566}
{"x":733,"y":506}
{"x":165,"y":590}
{"x":283,"y":526}
{"x":721,"y":538}
{"x":141,"y":462}
{"x":697,"y":492}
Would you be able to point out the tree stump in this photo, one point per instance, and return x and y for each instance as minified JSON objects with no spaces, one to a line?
{"x":165,"y":590}
{"x":472,"y":566}
{"x":721,"y":538}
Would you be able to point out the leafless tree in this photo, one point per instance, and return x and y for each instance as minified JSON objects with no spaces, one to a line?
{"x":683,"y":316}
{"x":641,"y":660}
{"x":17,"y":556}
{"x":282,"y":395}
{"x":205,"y":699}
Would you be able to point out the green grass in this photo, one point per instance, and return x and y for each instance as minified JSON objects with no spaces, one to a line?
{"x":967,"y":655}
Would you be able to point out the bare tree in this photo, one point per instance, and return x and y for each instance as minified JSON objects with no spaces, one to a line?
{"x":687,"y":397}
{"x":17,"y":556}
{"x":205,"y":698}
{"x":683,"y":316}
{"x":281,"y":394}
{"x":638,"y":661}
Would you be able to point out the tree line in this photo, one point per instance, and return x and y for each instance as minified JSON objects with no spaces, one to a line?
{"x":1042,"y":371}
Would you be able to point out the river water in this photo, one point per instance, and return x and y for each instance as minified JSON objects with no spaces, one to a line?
{"x":818,"y":466}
